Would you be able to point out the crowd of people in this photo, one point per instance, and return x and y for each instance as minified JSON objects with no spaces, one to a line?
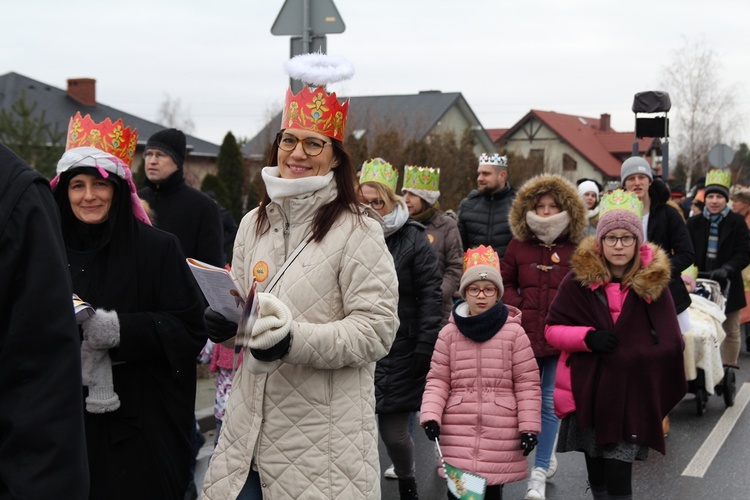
{"x":547,"y":318}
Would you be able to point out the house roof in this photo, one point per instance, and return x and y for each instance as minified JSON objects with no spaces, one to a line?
{"x":59,"y":108}
{"x":602,"y":148}
{"x":496,"y":133}
{"x":415,"y":115}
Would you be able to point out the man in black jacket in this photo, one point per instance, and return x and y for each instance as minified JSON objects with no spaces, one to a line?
{"x":722,"y":247}
{"x":483,"y":215}
{"x":662,"y":225}
{"x":180,"y":209}
{"x":42,"y":442}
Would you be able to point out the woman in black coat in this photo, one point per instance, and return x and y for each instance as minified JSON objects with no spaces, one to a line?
{"x":138,"y":351}
{"x":400,"y":376}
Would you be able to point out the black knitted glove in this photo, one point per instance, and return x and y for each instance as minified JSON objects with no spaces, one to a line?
{"x":219,"y":329}
{"x":277,"y":351}
{"x":420,"y":365}
{"x":432,"y":429}
{"x":601,"y":341}
{"x":528,"y":443}
{"x":721,"y":274}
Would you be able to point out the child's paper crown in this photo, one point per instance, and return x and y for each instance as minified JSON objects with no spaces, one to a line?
{"x":481,"y":256}
{"x":113,"y":138}
{"x":421,"y":178}
{"x":620,"y":200}
{"x":379,"y":170}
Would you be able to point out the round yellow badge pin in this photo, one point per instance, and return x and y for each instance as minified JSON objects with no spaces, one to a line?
{"x":260,"y":271}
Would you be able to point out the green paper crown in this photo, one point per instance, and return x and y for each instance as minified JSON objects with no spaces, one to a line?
{"x":620,"y":200}
{"x":421,"y":178}
{"x":379,"y":170}
{"x":720,"y":177}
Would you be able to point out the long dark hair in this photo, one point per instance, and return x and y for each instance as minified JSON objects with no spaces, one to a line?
{"x":346,"y":200}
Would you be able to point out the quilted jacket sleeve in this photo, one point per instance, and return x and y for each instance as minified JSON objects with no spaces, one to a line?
{"x":526,"y":385}
{"x":369,"y":287}
{"x":567,"y":338}
{"x":454,"y":260}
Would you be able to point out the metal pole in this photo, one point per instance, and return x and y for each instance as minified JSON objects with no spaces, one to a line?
{"x":306,"y":28}
{"x":635,"y":140}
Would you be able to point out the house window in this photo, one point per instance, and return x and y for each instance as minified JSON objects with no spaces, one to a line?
{"x":569,"y":164}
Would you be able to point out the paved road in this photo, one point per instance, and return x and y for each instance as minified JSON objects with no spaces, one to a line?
{"x":727,"y":475}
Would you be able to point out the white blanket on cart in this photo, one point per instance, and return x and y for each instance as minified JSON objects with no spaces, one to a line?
{"x":703,"y":341}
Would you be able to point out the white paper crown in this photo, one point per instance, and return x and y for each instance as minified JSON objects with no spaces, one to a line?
{"x":495,"y":160}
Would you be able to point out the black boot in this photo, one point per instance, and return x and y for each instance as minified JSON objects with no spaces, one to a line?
{"x":407,"y":489}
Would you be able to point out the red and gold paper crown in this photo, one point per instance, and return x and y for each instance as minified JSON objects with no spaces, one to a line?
{"x":315,"y":110}
{"x":481,"y":256}
{"x":113,"y":138}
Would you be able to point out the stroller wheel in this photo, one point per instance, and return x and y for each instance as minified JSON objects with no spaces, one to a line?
{"x":700,"y":400}
{"x":729,"y":386}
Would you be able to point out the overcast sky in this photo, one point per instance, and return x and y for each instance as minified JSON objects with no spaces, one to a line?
{"x":219,"y":58}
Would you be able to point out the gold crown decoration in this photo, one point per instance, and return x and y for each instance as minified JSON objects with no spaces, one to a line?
{"x":719,"y":177}
{"x":113,"y":138}
{"x":620,"y":200}
{"x":481,"y":256}
{"x":379,"y":170}
{"x":421,"y":178}
{"x":313,"y":108}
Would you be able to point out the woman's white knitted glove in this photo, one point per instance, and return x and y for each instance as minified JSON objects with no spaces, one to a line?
{"x":273,"y":323}
{"x":102,"y":330}
{"x":96,"y":371}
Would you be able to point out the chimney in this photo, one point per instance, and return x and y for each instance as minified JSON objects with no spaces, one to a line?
{"x":82,"y":90}
{"x":604,"y":123}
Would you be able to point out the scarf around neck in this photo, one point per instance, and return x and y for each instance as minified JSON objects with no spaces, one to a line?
{"x":395,"y":220}
{"x":279,"y":188}
{"x":483,"y":327}
{"x":548,"y":229}
{"x":425,"y":215}
{"x":713,"y":231}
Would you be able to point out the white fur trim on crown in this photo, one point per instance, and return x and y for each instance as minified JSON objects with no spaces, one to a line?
{"x":319,"y":69}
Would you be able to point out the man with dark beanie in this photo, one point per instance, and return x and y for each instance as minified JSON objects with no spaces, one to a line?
{"x":183,"y":211}
{"x":180,"y":209}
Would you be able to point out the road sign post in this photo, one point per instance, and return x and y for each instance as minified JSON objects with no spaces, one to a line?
{"x":307,"y":22}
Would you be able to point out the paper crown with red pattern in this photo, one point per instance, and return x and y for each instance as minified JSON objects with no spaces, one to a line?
{"x":379,"y":170}
{"x":113,"y":138}
{"x":481,"y":256}
{"x":313,"y":108}
{"x":481,"y":264}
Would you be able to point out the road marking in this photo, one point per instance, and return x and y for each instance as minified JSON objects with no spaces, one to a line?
{"x":710,"y":447}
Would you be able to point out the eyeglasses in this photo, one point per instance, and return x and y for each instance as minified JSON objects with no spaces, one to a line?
{"x":376,"y":204}
{"x":489,"y":291}
{"x":626,"y":240}
{"x":310,"y":145}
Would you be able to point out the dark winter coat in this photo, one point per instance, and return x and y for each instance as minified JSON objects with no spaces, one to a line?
{"x":442,"y":232}
{"x":420,"y":313}
{"x":533,"y":270}
{"x":188,"y":214}
{"x":666,"y":228}
{"x":42,"y":443}
{"x":734,"y":252}
{"x":483,"y":219}
{"x":144,"y":448}
{"x":623,"y":395}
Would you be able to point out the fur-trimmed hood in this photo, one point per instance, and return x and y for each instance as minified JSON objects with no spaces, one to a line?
{"x":563,"y":191}
{"x":648,"y":283}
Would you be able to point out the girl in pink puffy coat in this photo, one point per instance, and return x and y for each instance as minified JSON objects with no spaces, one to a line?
{"x":482,"y":397}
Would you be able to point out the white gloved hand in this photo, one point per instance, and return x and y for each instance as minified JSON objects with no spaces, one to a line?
{"x":96,"y":371}
{"x":273,"y":323}
{"x":102,"y":330}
